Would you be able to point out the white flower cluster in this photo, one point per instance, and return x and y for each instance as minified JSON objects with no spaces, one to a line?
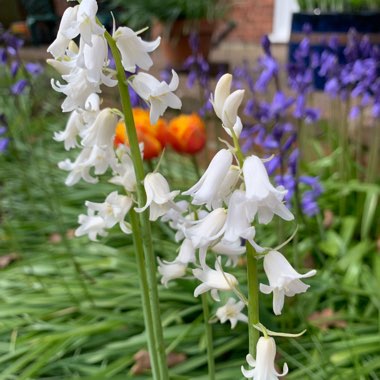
{"x":226,"y":202}
{"x":84,"y":68}
{"x":222,"y":208}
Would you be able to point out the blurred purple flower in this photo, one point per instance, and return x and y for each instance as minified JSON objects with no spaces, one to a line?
{"x":309,"y":204}
{"x":273,"y":164}
{"x":4,"y":141}
{"x":15,"y":65}
{"x":354,"y":112}
{"x":19,"y":87}
{"x":34,"y":68}
{"x":3,"y":56}
{"x":270,"y":70}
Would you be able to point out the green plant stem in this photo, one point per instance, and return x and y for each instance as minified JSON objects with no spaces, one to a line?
{"x":146,"y":306}
{"x":143,"y":227}
{"x":253,"y":298}
{"x":373,"y":156}
{"x":209,"y":337}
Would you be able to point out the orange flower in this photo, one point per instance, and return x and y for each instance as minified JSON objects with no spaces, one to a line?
{"x":153,"y":136}
{"x":187,"y":133}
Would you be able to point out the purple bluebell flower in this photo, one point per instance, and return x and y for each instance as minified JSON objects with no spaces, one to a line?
{"x":266,"y":45}
{"x":4,"y":141}
{"x":3,"y":56}
{"x":34,"y":68}
{"x":289,"y":183}
{"x":270,"y":70}
{"x":273,"y":164}
{"x":376,"y":110}
{"x":249,"y":107}
{"x":15,"y":65}
{"x":309,"y":204}
{"x":19,"y":87}
{"x":354,"y":112}
{"x":332,"y":87}
{"x":293,"y":161}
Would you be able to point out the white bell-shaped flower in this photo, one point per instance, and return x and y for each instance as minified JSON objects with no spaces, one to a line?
{"x":174,"y":217}
{"x":240,"y":214}
{"x":94,"y":58}
{"x":230,"y":119}
{"x":113,"y":210}
{"x":208,"y":230}
{"x":77,"y":89}
{"x":231,"y":311}
{"x":134,"y":51}
{"x":170,"y":270}
{"x":159,"y":199}
{"x":222,"y":90}
{"x":263,"y":366}
{"x":73,"y":127}
{"x":102,"y":131}
{"x":86,"y":19}
{"x":91,"y":225}
{"x":205,"y":191}
{"x":186,"y":252}
{"x":68,"y":29}
{"x":124,"y":172}
{"x":95,"y":157}
{"x":226,"y":105}
{"x":232,"y":250}
{"x":283,"y":279}
{"x":158,"y":94}
{"x":259,"y":189}
{"x":177,"y":268}
{"x":213,"y":280}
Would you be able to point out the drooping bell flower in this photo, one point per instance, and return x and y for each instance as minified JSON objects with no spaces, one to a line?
{"x":231,"y":311}
{"x":134,"y":51}
{"x":187,"y":133}
{"x":158,"y":94}
{"x":206,"y":190}
{"x":159,"y":198}
{"x":263,"y":366}
{"x":213,"y":280}
{"x":284,"y":280}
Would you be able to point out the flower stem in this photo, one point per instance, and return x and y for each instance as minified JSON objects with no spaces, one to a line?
{"x":146,"y":306}
{"x":209,"y":337}
{"x":142,"y":231}
{"x":253,"y":298}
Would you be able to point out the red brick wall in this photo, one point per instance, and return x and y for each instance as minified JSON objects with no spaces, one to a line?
{"x":254,"y":18}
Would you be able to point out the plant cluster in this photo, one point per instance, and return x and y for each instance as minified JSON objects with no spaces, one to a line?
{"x":211,"y":220}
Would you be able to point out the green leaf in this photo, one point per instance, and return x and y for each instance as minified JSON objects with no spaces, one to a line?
{"x":369,"y":211}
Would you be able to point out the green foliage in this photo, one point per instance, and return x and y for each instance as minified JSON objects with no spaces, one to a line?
{"x":142,"y":13}
{"x":71,"y":308}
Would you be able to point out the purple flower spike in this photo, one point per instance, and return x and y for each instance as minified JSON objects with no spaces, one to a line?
{"x":273,"y":164}
{"x":354,"y":112}
{"x":15,"y":65}
{"x":3,"y":56}
{"x":309,"y":205}
{"x":34,"y":68}
{"x":265,"y":44}
{"x":19,"y":87}
{"x":4,"y":142}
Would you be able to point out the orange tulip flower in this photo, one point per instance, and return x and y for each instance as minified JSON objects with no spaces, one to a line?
{"x":153,"y":136}
{"x":187,"y":133}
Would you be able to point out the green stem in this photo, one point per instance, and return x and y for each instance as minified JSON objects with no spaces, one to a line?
{"x":253,"y":299}
{"x":143,"y":282}
{"x":143,"y":227}
{"x":209,"y":337}
{"x":373,"y":155}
